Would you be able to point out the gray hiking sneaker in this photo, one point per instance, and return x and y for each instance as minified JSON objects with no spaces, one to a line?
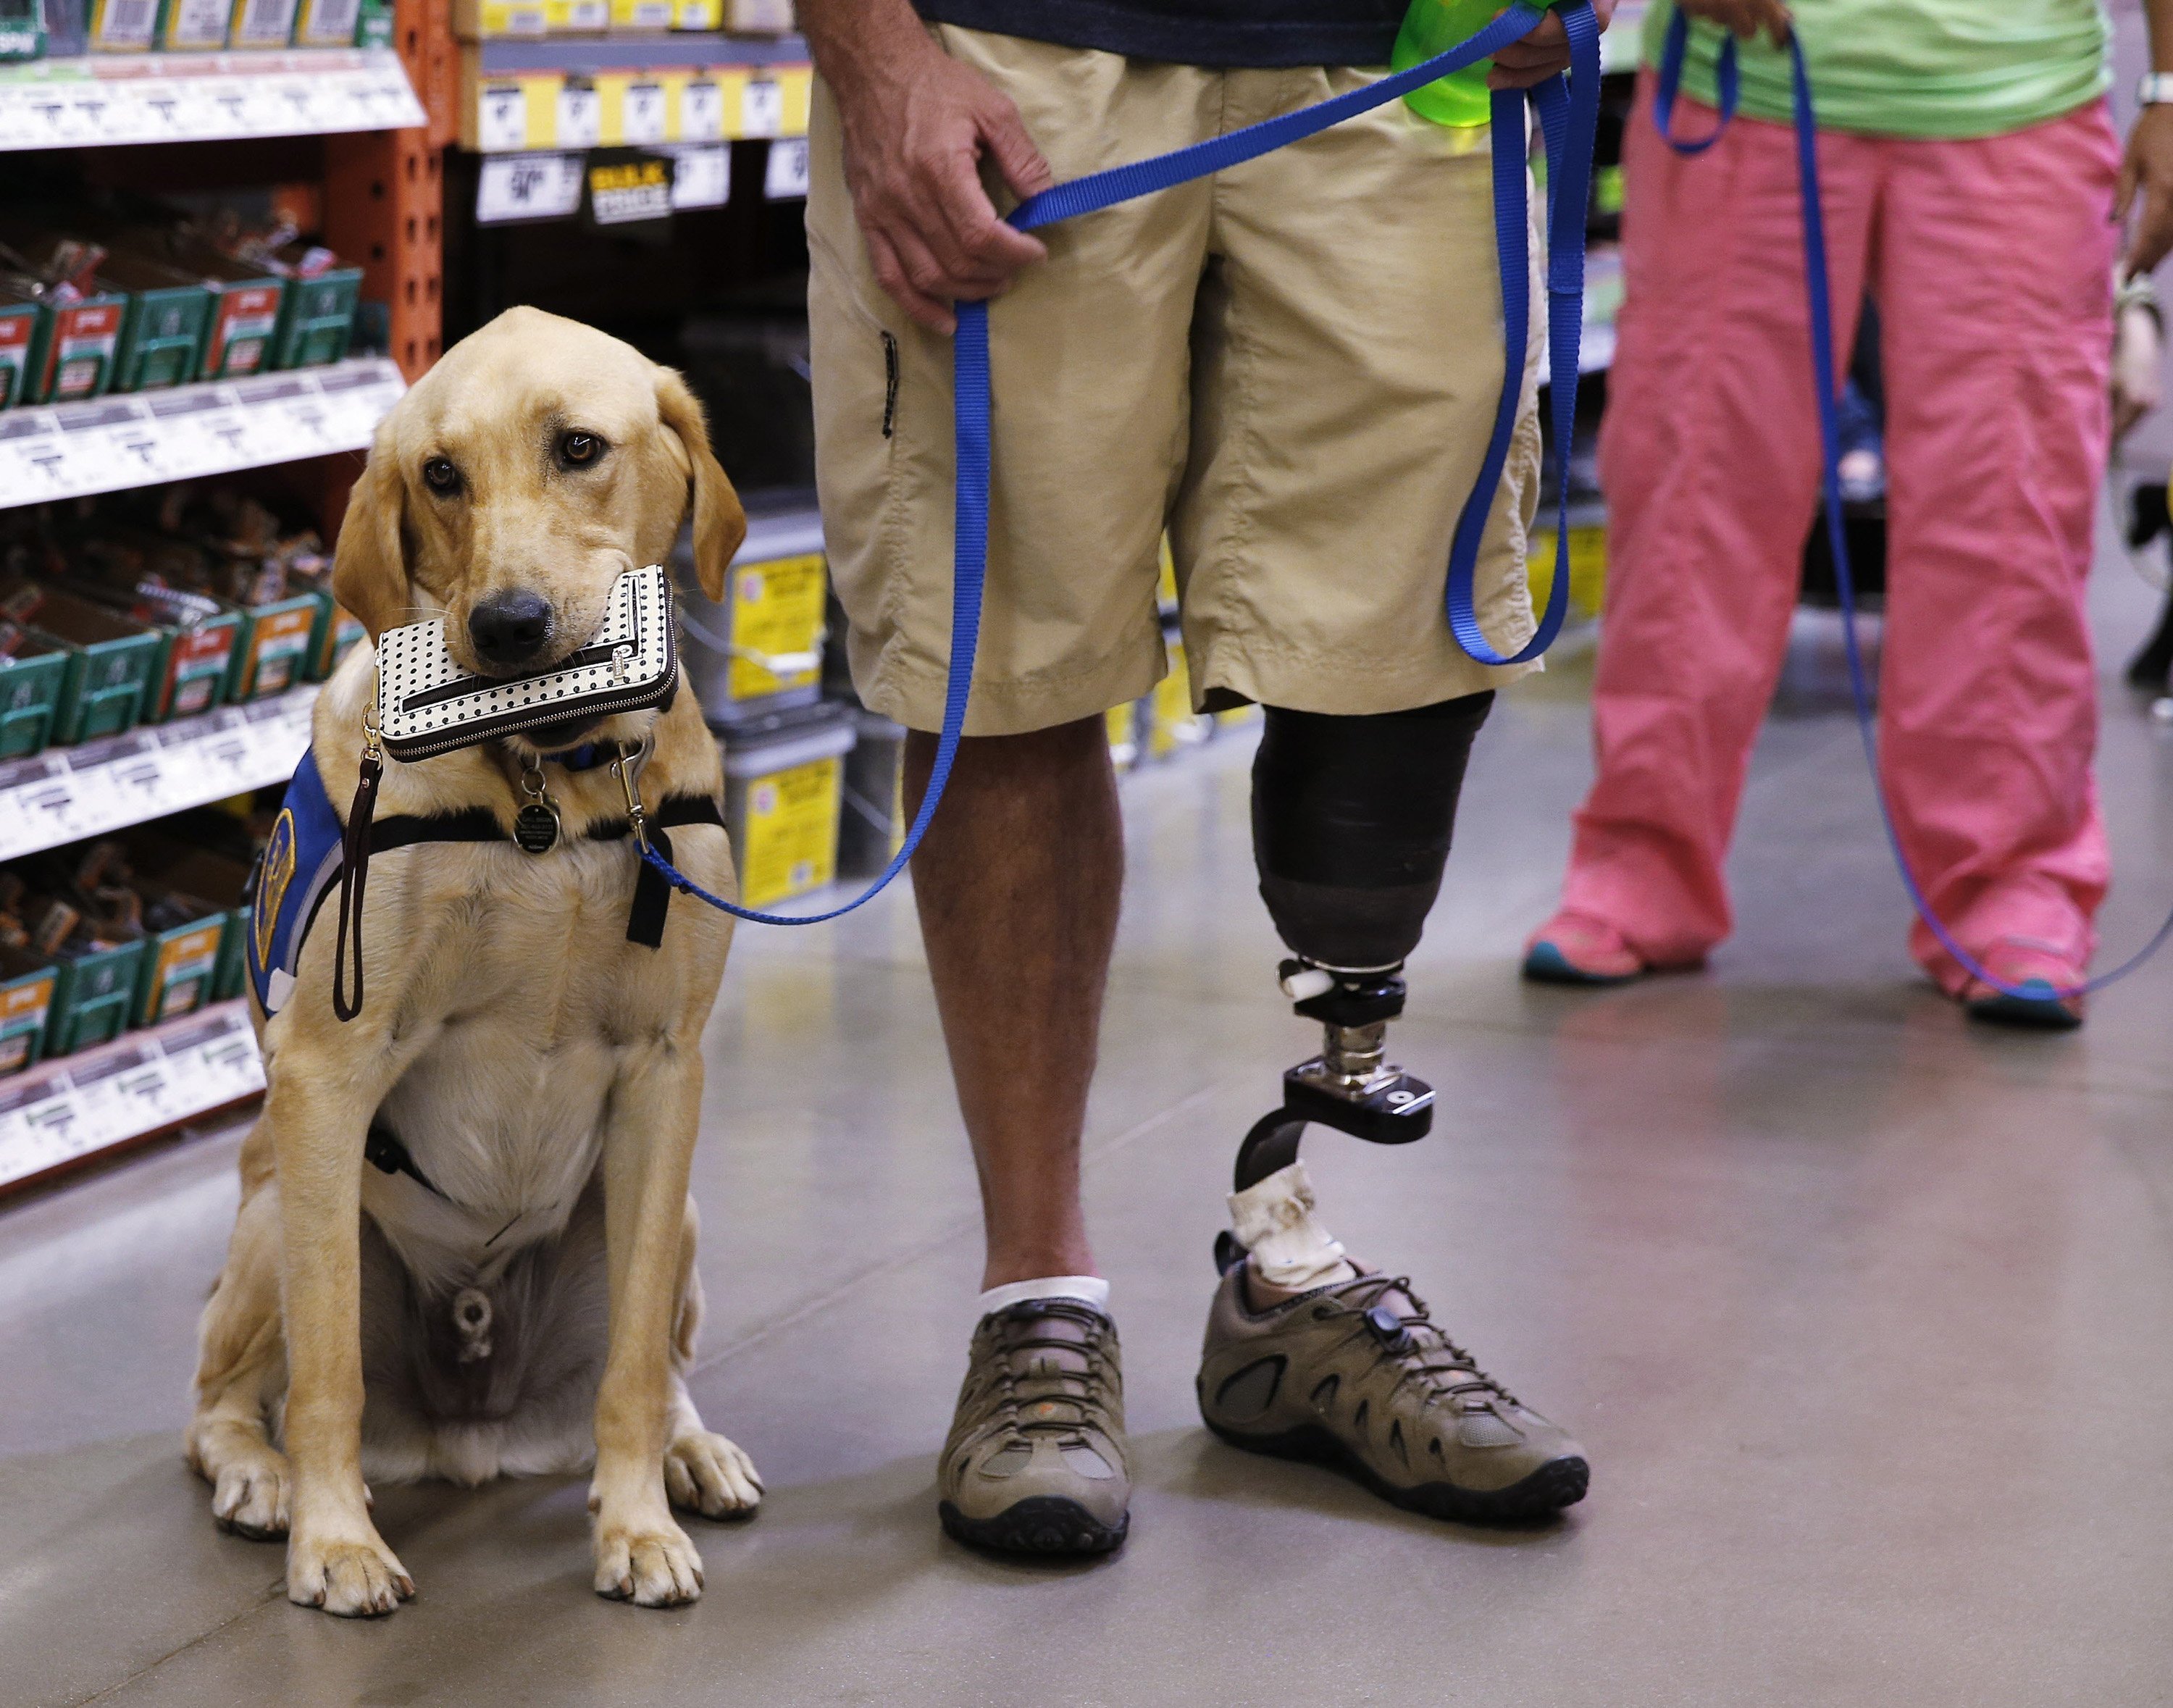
{"x":1035,"y":1463}
{"x":1354,"y":1374}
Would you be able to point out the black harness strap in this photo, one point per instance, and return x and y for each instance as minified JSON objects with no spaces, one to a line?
{"x":383,"y":1150}
{"x":652,"y":895}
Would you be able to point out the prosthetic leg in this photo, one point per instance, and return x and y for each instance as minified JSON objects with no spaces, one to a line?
{"x":1351,"y":823}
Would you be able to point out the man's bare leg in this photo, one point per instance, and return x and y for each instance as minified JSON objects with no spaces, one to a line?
{"x":1017,"y":883}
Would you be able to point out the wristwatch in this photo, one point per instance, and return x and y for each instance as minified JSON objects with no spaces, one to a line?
{"x":2155,"y":89}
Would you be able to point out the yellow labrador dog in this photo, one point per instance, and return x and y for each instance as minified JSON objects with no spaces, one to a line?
{"x":515,"y":1292}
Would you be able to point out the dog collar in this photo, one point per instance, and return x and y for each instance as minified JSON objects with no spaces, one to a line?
{"x":585,"y":757}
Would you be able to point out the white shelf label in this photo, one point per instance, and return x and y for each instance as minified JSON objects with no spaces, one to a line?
{"x":643,"y":112}
{"x":501,"y":118}
{"x":762,"y":108}
{"x":74,"y":103}
{"x":69,"y":793}
{"x":702,"y":176}
{"x":701,"y":112}
{"x":784,"y":175}
{"x":63,"y":1110}
{"x":580,"y":118}
{"x":109,"y":443}
{"x":528,"y":187}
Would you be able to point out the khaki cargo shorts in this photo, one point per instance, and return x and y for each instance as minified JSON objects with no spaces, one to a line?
{"x":1292,"y":367}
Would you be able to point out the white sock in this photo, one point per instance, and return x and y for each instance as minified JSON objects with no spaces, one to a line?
{"x":1089,"y":1290}
{"x":1273,"y":1220}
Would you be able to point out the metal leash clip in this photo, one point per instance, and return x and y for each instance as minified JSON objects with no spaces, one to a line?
{"x":626,"y":767}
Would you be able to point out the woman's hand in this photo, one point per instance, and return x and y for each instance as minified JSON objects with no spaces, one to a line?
{"x":2146,"y":189}
{"x":1748,"y":18}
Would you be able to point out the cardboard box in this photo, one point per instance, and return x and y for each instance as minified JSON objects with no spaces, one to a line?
{"x":327,"y":22}
{"x":481,"y":20}
{"x":123,"y":26}
{"x":192,"y":26}
{"x":261,"y":23}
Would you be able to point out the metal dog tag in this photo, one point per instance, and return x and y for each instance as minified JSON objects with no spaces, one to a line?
{"x":536,"y":828}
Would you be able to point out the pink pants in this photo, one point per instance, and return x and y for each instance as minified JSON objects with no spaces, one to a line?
{"x":1991,"y":261}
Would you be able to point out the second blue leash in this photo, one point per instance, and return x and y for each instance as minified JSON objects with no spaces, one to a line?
{"x":1820,"y":290}
{"x":1569,"y":118}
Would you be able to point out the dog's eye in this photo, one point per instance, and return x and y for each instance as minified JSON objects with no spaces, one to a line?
{"x":580,"y":449}
{"x":441,"y":477}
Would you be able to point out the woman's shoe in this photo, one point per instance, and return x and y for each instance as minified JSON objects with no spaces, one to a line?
{"x":1574,"y":948}
{"x":2048,"y":999}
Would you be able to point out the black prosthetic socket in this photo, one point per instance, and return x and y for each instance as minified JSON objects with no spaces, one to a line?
{"x":1351,"y":820}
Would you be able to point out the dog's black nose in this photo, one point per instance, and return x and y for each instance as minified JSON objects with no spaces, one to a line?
{"x":510,"y":627}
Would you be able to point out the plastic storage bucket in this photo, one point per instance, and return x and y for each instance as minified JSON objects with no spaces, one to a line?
{"x":783,"y":785}
{"x":759,"y":649}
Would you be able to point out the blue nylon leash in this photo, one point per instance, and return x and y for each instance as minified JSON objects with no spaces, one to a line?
{"x":1727,"y":86}
{"x":1569,"y":119}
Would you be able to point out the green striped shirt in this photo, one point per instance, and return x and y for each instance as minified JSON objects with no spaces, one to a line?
{"x":1916,"y":67}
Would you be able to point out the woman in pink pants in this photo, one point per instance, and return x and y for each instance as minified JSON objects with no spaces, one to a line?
{"x":1983,"y":226}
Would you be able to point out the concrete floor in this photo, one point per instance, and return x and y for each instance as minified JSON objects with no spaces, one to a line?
{"x":1866,"y":1316}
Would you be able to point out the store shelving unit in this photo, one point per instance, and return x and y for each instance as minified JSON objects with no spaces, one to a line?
{"x":385,"y":118}
{"x":109,"y":100}
{"x":66,"y":794}
{"x":64,"y":1113}
{"x":110,"y":443}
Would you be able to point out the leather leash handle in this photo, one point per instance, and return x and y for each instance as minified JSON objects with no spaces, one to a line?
{"x":354,"y":878}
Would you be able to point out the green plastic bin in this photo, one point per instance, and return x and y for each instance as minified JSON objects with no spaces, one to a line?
{"x":316,"y":323}
{"x":337,"y":633}
{"x":27,"y":984}
{"x":18,"y":329}
{"x":163,"y":332}
{"x":93,"y":997}
{"x":227,"y":979}
{"x":179,"y":965}
{"x":274,"y":652}
{"x":73,"y":350}
{"x":110,"y":659}
{"x":30,"y":684}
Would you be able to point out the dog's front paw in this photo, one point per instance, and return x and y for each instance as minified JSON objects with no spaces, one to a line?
{"x":250,"y":1497}
{"x":704,"y":1473}
{"x":354,"y":1576}
{"x":651,"y":1566}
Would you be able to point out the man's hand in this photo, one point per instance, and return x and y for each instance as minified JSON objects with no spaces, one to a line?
{"x":1538,"y":56}
{"x":1748,"y":18}
{"x":916,"y":123}
{"x":2146,"y":189}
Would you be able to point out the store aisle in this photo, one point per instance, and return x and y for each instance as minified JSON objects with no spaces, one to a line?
{"x":1864,"y":1315}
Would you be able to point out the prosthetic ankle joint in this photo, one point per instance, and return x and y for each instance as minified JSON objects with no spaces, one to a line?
{"x":1351,"y":824}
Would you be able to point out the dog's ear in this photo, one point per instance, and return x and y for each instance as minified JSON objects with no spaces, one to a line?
{"x":369,"y":566}
{"x":720,"y":523}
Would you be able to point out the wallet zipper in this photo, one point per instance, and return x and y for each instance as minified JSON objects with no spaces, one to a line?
{"x":633,"y":700}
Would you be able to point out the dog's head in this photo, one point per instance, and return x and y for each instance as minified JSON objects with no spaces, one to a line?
{"x":534,"y":464}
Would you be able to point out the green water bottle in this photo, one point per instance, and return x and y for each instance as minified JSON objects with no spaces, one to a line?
{"x":1434,"y":26}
